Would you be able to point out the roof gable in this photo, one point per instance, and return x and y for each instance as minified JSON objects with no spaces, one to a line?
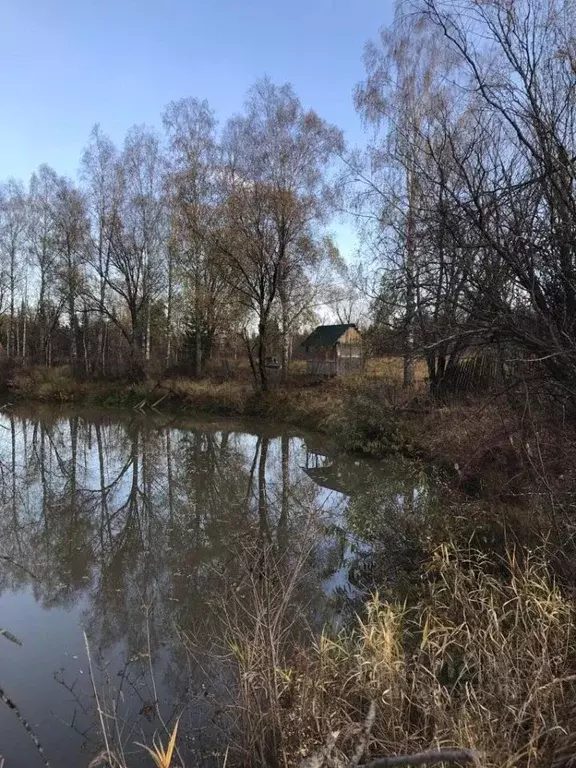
{"x":327,"y":335}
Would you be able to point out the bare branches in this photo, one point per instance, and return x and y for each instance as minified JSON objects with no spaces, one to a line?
{"x":26,"y":725}
{"x":431,"y":757}
{"x":327,"y":757}
{"x":11,"y":560}
{"x":275,"y":194}
{"x":471,"y":181}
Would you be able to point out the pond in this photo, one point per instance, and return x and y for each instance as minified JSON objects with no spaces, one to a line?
{"x":130,"y":534}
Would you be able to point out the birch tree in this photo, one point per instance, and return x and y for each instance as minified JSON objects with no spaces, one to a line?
{"x":399,"y":99}
{"x":518,"y":63}
{"x":100,"y":175}
{"x":13,"y":223}
{"x":137,"y":242}
{"x":195,"y":188}
{"x":41,"y":245}
{"x":70,"y":244}
{"x":277,"y":155}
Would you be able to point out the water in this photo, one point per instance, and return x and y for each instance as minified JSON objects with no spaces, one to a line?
{"x":137,"y":530}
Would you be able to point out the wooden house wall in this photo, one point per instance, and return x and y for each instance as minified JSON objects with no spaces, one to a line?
{"x":321,"y":353}
{"x":342,"y":357}
{"x":336,"y":367}
{"x":349,"y":350}
{"x":351,"y":336}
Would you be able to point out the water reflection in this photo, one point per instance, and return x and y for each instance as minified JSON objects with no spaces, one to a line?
{"x":130,"y":526}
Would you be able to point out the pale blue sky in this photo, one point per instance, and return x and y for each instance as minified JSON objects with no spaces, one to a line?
{"x":67,"y":64}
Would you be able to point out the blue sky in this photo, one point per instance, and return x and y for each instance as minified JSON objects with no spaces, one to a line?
{"x":67,"y":64}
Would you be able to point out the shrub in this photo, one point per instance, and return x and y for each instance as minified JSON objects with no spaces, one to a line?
{"x":368,"y":420}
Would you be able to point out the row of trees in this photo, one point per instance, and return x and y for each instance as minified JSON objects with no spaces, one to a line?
{"x":173,"y":241}
{"x":467,"y":189}
{"x":465,"y":195}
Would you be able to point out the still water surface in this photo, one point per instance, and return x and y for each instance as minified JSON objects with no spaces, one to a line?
{"x":133,"y":529}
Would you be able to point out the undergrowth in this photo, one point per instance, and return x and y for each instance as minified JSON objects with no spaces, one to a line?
{"x":484,"y":659}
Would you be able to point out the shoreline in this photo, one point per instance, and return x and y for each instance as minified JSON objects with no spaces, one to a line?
{"x":478,"y":447}
{"x":319,"y":407}
{"x":460,"y":605}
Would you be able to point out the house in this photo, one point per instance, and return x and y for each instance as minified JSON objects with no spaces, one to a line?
{"x":333,"y":349}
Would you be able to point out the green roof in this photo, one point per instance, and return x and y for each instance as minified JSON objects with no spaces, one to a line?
{"x":327,"y":335}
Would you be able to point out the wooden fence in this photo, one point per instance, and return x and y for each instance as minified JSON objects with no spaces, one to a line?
{"x":485,"y":373}
{"x":334,"y":367}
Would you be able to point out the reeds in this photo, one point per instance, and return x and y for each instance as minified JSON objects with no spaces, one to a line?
{"x":484,"y":660}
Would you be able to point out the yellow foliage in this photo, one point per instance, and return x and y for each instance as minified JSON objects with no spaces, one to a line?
{"x":162,"y":757}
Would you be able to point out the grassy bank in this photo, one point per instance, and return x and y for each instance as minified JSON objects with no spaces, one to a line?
{"x":482,"y":660}
{"x":484,"y":445}
{"x":321,"y":405}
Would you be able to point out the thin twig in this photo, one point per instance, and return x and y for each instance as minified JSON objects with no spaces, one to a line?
{"x":96,"y":698}
{"x":430,"y":757}
{"x":19,"y":565}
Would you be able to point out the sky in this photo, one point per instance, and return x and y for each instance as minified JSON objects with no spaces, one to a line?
{"x":68,"y":64}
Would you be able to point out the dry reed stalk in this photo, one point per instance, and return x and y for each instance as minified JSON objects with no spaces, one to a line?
{"x":482,"y":663}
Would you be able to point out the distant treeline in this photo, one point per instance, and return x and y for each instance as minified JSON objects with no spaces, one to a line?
{"x":202,"y":236}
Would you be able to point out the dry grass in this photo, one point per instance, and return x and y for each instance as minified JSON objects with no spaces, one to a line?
{"x":489,"y":447}
{"x":492,"y":449}
{"x":392,"y":369}
{"x":229,"y":397}
{"x":484,"y":660}
{"x":163,"y":756}
{"x":43,"y":383}
{"x":56,"y":384}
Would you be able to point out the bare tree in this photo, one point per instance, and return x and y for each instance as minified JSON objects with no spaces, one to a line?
{"x":400,"y":98}
{"x":250,"y":259}
{"x":138,"y":241}
{"x":349,"y":302}
{"x":276,"y":158}
{"x":13,"y":222}
{"x":195,"y":188}
{"x":310,"y":287}
{"x":70,"y":244}
{"x":518,"y":62}
{"x":101,"y":178}
{"x":41,"y":245}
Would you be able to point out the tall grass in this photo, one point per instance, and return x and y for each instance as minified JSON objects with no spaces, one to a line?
{"x":484,"y":660}
{"x":263,"y":618}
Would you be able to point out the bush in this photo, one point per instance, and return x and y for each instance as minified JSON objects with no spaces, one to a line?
{"x":47,"y":384}
{"x":368,"y":420}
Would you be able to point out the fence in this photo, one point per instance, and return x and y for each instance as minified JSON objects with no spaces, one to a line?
{"x":484,"y":373}
{"x":334,"y":367}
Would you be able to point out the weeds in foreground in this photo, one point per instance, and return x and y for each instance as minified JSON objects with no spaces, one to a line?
{"x":117,"y":732}
{"x":263,"y":619}
{"x":162,"y":757}
{"x":484,"y":660}
{"x":481,"y":667}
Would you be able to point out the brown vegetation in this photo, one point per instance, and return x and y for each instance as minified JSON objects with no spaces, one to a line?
{"x":486,"y":444}
{"x":174,"y":246}
{"x":484,"y":659}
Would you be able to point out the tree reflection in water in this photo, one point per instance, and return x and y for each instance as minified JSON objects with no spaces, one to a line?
{"x":136,"y":524}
